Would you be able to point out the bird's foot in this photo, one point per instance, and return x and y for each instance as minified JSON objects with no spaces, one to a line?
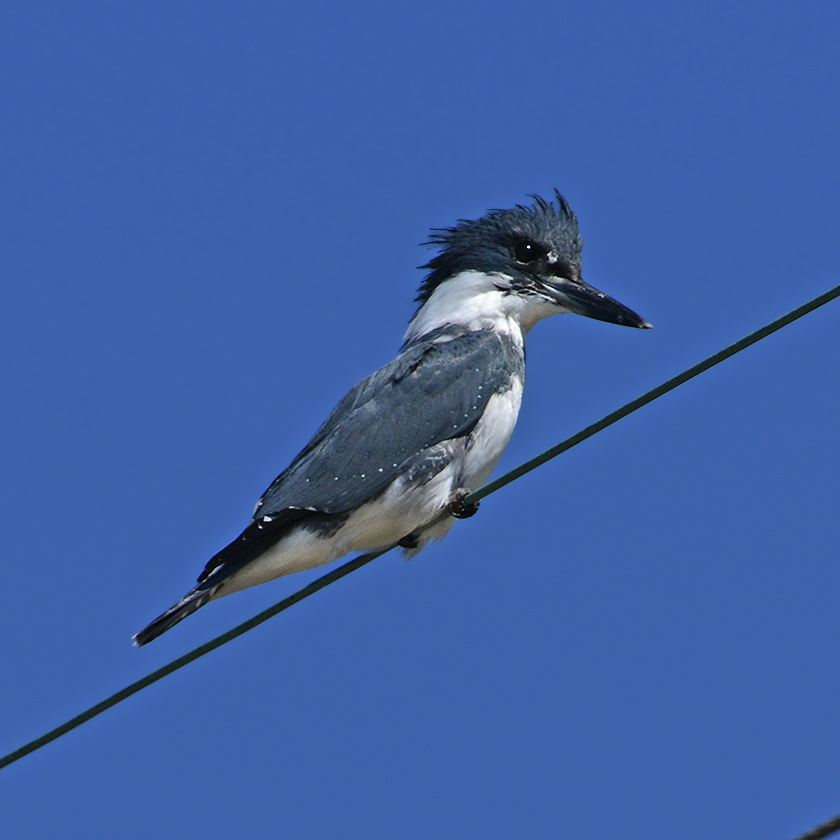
{"x":458,"y":507}
{"x":409,"y":541}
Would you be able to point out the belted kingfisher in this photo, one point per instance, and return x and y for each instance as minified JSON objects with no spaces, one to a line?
{"x":414,"y":438}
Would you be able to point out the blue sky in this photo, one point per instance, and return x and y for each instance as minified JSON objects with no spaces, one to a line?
{"x":202,"y":203}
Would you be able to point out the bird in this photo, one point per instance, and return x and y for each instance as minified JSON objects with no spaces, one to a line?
{"x":413,"y":439}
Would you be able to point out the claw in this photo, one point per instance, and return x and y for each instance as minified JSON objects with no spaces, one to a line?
{"x":458,"y":507}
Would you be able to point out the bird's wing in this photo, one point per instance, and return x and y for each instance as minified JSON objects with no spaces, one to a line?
{"x":432,"y":392}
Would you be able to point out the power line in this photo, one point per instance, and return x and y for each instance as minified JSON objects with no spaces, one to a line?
{"x":650,"y":396}
{"x":196,"y":653}
{"x":475,"y":496}
{"x":824,"y":830}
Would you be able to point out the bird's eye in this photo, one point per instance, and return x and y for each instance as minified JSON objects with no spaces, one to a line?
{"x":527,"y":252}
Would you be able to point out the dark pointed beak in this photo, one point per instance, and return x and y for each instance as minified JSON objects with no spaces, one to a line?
{"x":583,"y":299}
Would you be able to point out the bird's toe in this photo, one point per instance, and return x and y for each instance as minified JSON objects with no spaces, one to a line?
{"x":458,"y":507}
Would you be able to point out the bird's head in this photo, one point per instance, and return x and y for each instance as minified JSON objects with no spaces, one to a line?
{"x":530,"y":256}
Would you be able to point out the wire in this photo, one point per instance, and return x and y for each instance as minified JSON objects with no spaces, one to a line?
{"x":824,"y":830}
{"x":196,"y":653}
{"x":650,"y":396}
{"x":475,"y":496}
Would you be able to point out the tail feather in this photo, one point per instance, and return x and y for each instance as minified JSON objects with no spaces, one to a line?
{"x":191,"y":602}
{"x":255,"y":540}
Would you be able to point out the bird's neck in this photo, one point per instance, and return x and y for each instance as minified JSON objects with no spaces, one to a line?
{"x":473,"y":300}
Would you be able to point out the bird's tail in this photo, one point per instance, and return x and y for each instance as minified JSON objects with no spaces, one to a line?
{"x":192,"y":601}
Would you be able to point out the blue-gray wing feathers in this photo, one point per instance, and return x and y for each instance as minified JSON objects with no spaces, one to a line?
{"x":435,"y":390}
{"x":430,"y":393}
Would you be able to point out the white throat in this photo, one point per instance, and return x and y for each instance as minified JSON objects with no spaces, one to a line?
{"x":478,"y":301}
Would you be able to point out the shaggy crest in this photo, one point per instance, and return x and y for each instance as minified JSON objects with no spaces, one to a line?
{"x":490,"y":240}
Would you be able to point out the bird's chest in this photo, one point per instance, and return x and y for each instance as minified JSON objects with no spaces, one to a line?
{"x":491,"y":434}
